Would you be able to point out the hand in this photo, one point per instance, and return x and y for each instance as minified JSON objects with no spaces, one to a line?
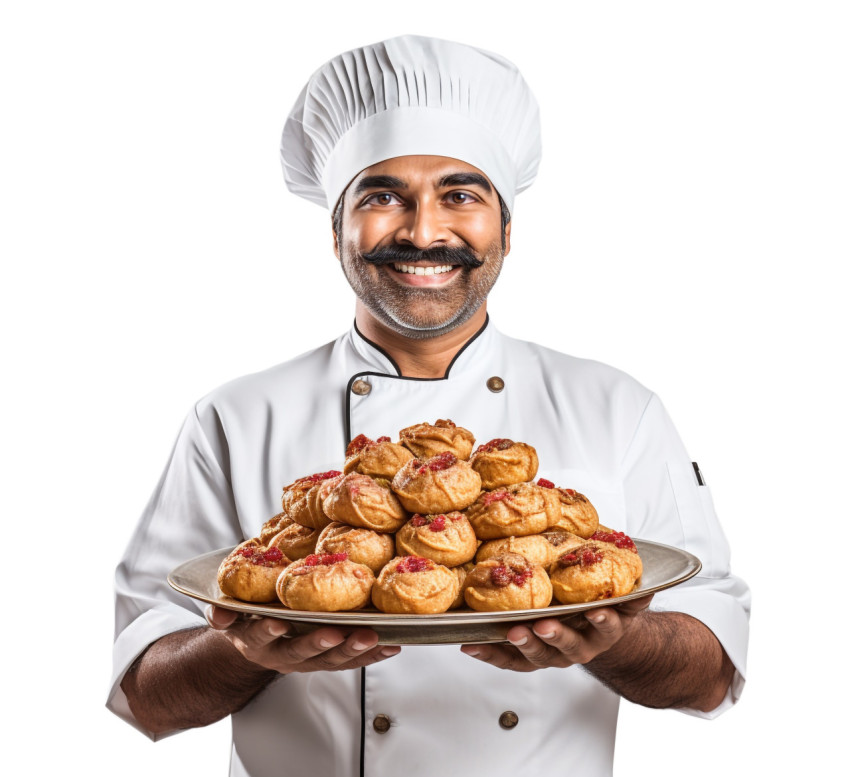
{"x":265,"y":642}
{"x":551,"y":643}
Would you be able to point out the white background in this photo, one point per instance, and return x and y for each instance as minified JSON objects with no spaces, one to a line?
{"x":689,"y":225}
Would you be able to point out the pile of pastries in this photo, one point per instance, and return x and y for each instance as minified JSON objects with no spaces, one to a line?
{"x":426,"y":525}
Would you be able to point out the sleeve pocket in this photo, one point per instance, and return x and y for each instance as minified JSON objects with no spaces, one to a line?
{"x":702,"y":532}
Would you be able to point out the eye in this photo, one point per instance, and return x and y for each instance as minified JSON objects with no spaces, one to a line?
{"x":460,"y":198}
{"x":381,"y":198}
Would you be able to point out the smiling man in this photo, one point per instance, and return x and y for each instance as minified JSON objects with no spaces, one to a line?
{"x":418,"y":147}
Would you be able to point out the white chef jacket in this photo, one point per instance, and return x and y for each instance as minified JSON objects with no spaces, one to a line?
{"x":595,"y":429}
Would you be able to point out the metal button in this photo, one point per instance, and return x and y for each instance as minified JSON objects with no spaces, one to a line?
{"x":381,"y":723}
{"x":495,"y":384}
{"x":361,"y":387}
{"x":507,"y":719}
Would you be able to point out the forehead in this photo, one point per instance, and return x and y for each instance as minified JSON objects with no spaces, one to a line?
{"x":419,"y":171}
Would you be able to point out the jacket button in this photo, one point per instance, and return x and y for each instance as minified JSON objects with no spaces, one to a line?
{"x":361,"y":387}
{"x":381,"y":723}
{"x":507,"y":719}
{"x":495,"y":384}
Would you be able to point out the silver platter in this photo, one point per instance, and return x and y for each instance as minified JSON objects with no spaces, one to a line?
{"x":663,"y":567}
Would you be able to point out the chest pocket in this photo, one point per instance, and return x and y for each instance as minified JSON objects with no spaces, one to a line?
{"x":701,"y":530}
{"x":605,"y":494}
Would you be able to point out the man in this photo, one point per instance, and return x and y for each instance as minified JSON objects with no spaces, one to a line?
{"x":418,"y":146}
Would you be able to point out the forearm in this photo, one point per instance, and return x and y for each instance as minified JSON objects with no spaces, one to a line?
{"x":191,"y":678}
{"x":666,"y":660}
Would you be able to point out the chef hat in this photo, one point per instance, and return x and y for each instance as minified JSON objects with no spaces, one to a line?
{"x":411,"y":95}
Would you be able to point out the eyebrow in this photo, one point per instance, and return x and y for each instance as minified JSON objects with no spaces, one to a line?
{"x":379,"y":182}
{"x":466,"y":179}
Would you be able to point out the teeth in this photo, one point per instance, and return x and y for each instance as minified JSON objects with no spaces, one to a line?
{"x":413,"y":269}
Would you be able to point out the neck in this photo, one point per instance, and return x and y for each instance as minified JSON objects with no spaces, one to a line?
{"x":428,"y":358}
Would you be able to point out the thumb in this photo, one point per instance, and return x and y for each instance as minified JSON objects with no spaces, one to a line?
{"x":218,"y":617}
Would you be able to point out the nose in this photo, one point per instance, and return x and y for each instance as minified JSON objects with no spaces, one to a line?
{"x":425,"y":227}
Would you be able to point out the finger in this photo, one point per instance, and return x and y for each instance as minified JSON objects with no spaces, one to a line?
{"x":572,"y":646}
{"x":256,"y":635}
{"x":538,"y":651}
{"x":500,"y":656}
{"x":325,"y":648}
{"x":218,"y":617}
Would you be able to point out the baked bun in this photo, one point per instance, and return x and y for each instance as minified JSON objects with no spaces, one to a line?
{"x":534,"y":547}
{"x":326,"y":582}
{"x":461,"y":572}
{"x":296,"y":541}
{"x":363,"y":546}
{"x":578,"y":515}
{"x":412,"y":584}
{"x":447,"y":539}
{"x":300,"y":500}
{"x":250,"y":572}
{"x":441,"y":484}
{"x":359,"y":500}
{"x":594,"y":571}
{"x":274,"y":525}
{"x":379,"y":458}
{"x":502,"y":462}
{"x":517,"y":510}
{"x":561,"y":541}
{"x":427,"y":440}
{"x":507,"y":582}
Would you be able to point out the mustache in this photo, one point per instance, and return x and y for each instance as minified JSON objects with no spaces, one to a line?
{"x":404,"y":254}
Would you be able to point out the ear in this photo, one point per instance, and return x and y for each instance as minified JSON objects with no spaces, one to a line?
{"x":336,"y":243}
{"x":508,"y":237}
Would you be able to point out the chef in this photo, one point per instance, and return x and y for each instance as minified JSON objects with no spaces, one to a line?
{"x":418,"y":147}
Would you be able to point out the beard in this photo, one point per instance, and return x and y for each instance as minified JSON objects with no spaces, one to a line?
{"x":422,"y":312}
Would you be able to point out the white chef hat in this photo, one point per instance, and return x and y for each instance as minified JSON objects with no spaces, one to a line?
{"x":411,"y":95}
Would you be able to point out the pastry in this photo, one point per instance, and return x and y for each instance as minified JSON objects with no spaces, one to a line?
{"x":295,"y":540}
{"x":412,"y":584}
{"x":427,"y":440}
{"x":461,"y":572}
{"x":593,"y":571}
{"x":250,"y":572}
{"x":301,"y":499}
{"x":326,"y":582}
{"x":578,"y":515}
{"x":503,"y":462}
{"x":363,"y":546}
{"x":379,"y":458}
{"x":516,"y":510}
{"x":359,"y":500}
{"x":273,"y":526}
{"x":535,"y":547}
{"x":441,"y":484}
{"x":507,"y":582}
{"x":447,"y":539}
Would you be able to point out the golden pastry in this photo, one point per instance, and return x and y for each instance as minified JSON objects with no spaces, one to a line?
{"x":441,"y":484}
{"x":295,"y":540}
{"x":447,"y":539}
{"x":301,"y":500}
{"x":363,"y":546}
{"x":273,"y":526}
{"x":503,"y":462}
{"x":359,"y":500}
{"x":594,"y":571}
{"x":535,"y":547}
{"x":326,"y":582}
{"x":578,"y":515}
{"x":427,"y":440}
{"x":507,"y":582}
{"x":412,"y":584}
{"x":461,"y":572}
{"x":250,"y":572}
{"x":379,"y":458}
{"x":517,"y":511}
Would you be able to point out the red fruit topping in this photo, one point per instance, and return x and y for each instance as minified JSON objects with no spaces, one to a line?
{"x":618,"y":538}
{"x":502,"y":575}
{"x":570,"y":491}
{"x":545,"y":483}
{"x":438,"y":524}
{"x":585,"y":556}
{"x":455,"y":516}
{"x":247,"y":552}
{"x":445,"y":423}
{"x":324,"y":559}
{"x":414,"y":564}
{"x":418,"y":521}
{"x":268,"y":558}
{"x":319,"y":476}
{"x":442,"y":460}
{"x":357,"y":444}
{"x":499,"y":444}
{"x":383,"y":439}
{"x":495,"y":496}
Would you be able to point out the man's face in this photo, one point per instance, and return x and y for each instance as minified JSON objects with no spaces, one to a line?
{"x":421,"y":242}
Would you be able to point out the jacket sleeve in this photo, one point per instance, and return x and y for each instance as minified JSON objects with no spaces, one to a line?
{"x":191,"y":512}
{"x":665,"y":502}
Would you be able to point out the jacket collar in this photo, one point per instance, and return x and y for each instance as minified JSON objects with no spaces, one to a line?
{"x":377,"y":359}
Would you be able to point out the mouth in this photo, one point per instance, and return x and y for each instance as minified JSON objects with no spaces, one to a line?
{"x":423,"y":275}
{"x":418,"y":269}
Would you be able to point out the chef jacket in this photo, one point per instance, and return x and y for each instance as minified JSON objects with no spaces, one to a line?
{"x":595,"y":430}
